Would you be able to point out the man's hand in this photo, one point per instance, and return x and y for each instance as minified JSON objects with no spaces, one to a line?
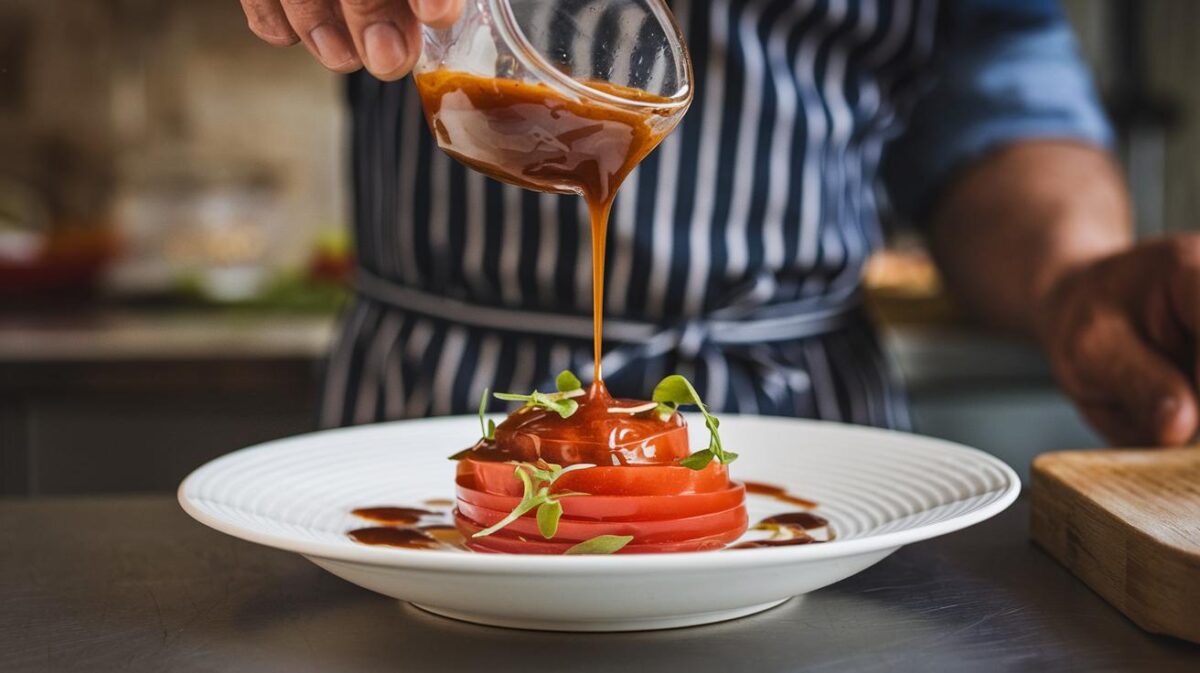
{"x":345,"y":35}
{"x":1121,"y":335}
{"x":1036,"y":238}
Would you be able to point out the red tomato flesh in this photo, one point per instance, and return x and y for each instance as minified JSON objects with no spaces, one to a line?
{"x":503,"y":542}
{"x":632,"y":485}
{"x":645,"y":532}
{"x":617,"y":508}
{"x":501,"y":479}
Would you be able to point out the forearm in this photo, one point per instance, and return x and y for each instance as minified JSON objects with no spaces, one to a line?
{"x":1012,"y":225}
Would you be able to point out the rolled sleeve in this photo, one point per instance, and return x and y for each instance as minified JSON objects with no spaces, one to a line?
{"x":1007,"y":72}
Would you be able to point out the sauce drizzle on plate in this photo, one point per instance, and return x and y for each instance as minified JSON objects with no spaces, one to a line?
{"x":387,"y":536}
{"x":392,"y":515}
{"x":778,"y":493}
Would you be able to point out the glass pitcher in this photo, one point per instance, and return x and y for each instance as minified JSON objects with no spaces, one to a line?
{"x":624,"y":56}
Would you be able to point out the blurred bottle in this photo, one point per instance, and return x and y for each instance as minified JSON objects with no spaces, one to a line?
{"x":43,"y":258}
{"x":209,"y":228}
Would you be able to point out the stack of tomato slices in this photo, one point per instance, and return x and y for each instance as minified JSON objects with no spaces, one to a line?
{"x":665,"y":508}
{"x":614,"y":467}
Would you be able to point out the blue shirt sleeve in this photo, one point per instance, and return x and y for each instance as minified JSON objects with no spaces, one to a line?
{"x":1006,"y":70}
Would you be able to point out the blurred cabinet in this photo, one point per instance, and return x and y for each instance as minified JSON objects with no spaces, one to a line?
{"x":70,"y":425}
{"x":118,"y":405}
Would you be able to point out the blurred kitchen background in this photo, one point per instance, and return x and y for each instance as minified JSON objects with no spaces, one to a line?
{"x":174,"y":250}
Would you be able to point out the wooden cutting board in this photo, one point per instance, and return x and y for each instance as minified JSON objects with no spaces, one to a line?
{"x":1127,"y":522}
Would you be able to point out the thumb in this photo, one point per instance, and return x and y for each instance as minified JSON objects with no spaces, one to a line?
{"x":1119,"y":371}
{"x":437,"y":13}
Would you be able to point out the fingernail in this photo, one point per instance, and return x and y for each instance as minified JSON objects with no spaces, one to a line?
{"x":332,"y":47}
{"x":432,"y":10}
{"x":1165,"y":410}
{"x":385,"y":48}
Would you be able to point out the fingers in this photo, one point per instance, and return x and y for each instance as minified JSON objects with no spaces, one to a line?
{"x":268,"y":21}
{"x":323,"y":32}
{"x":436,"y":13}
{"x":383,"y":35}
{"x":1132,"y":393}
{"x":386,"y":35}
{"x":1114,"y":424}
{"x":1184,"y":291}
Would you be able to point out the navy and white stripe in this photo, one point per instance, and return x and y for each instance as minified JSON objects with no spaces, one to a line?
{"x":762,"y":198}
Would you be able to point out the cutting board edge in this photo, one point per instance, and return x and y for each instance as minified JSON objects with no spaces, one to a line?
{"x":1066,"y":523}
{"x":1055,"y":465}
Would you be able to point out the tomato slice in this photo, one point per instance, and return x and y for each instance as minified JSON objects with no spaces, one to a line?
{"x":616,"y":507}
{"x":625,"y":480}
{"x":505,"y":542}
{"x":645,"y":532}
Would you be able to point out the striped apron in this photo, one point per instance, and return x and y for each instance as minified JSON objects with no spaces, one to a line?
{"x":735,"y":250}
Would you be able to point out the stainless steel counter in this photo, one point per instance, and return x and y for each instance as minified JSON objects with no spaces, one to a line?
{"x":103,"y":584}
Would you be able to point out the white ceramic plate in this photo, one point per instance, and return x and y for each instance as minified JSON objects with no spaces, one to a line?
{"x":879,"y":490}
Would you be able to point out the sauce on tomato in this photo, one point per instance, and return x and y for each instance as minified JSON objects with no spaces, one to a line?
{"x":593,"y":435}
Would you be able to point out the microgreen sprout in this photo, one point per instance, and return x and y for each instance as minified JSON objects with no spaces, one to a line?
{"x":601,"y":544}
{"x":488,"y":429}
{"x":537,"y":480}
{"x":676,"y":391}
{"x":561,"y":402}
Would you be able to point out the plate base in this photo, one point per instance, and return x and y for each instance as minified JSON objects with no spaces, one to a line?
{"x":640,"y":624}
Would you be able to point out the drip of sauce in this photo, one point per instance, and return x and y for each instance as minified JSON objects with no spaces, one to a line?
{"x":756,"y":544}
{"x":591,"y":435}
{"x":387,"y":536}
{"x":777,"y":493}
{"x":446,"y":534}
{"x":801,"y":520}
{"x":530,"y":135}
{"x":392,"y":515}
{"x":394,"y":532}
{"x":788,"y":529}
{"x":439,"y":502}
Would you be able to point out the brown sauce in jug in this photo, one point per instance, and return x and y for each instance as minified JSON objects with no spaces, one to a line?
{"x":530,"y":135}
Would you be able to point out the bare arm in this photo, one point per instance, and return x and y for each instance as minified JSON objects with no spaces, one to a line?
{"x":1036,"y":239}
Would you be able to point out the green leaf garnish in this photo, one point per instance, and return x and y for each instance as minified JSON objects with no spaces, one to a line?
{"x":488,"y":429}
{"x":567,"y":381}
{"x":698,"y":460}
{"x":560,"y":403}
{"x":548,"y":515}
{"x":537,"y":480}
{"x":676,"y":391}
{"x":601,"y":544}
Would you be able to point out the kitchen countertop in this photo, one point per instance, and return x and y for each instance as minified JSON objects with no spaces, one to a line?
{"x":127,"y":335}
{"x":130,"y":583}
{"x":924,"y":355}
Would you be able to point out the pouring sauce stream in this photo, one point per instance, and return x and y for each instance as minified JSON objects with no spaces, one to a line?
{"x":530,"y":135}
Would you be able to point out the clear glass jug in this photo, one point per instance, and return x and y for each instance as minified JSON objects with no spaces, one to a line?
{"x":627,"y":56}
